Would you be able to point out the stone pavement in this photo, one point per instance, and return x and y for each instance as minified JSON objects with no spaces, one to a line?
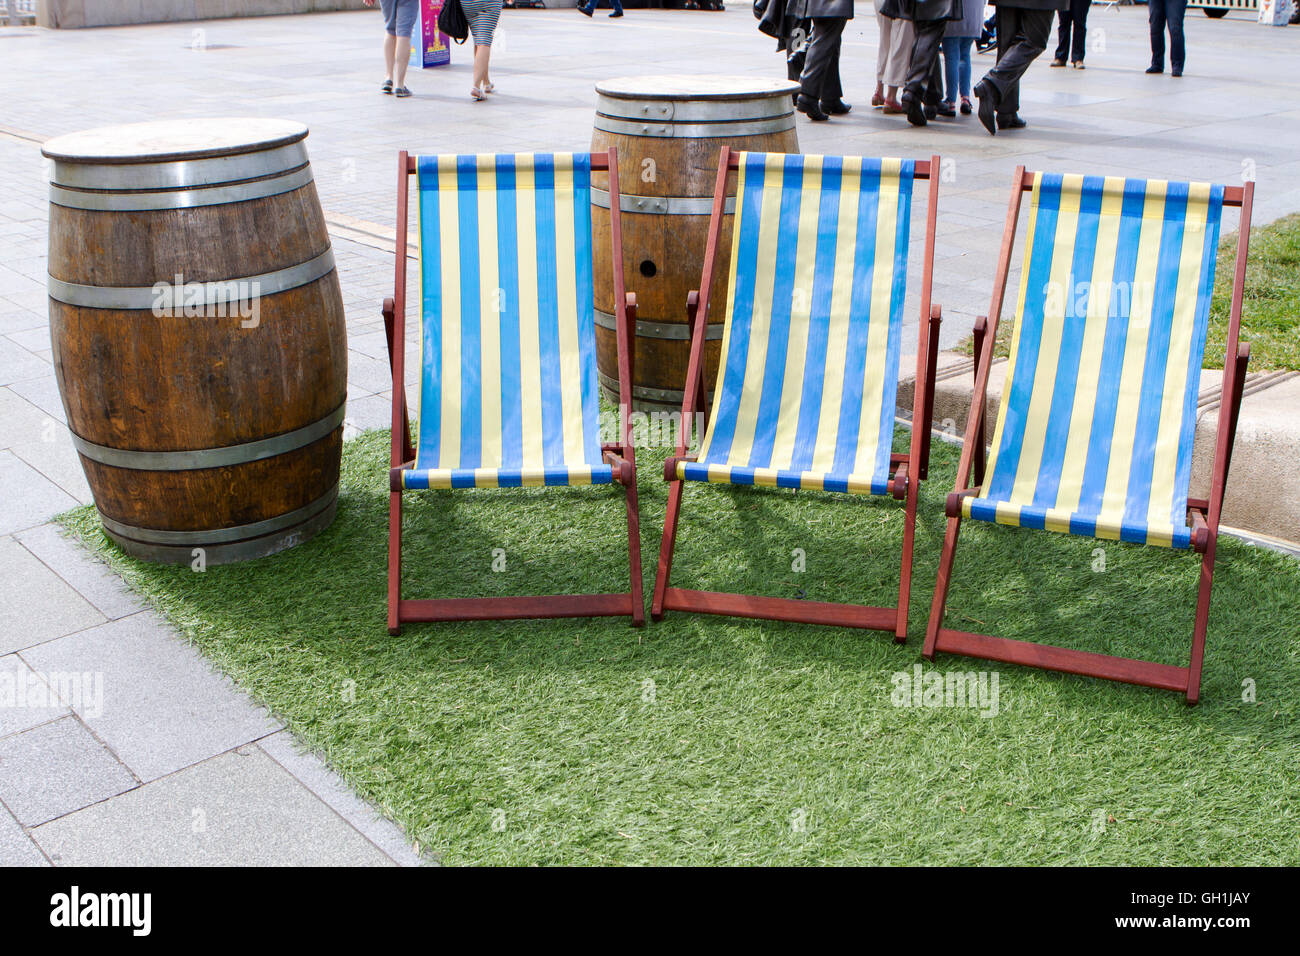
{"x":140,"y":753}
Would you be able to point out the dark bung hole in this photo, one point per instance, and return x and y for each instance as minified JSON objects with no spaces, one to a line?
{"x":648,"y":268}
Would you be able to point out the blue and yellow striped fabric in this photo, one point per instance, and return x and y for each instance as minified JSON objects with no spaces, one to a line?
{"x":508,"y":388}
{"x":809,"y":371}
{"x":1094,"y":436}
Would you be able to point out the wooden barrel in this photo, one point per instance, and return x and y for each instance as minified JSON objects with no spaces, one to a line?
{"x":198,"y":334}
{"x":668,"y":130}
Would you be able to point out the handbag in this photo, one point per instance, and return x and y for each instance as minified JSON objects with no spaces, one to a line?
{"x":451,"y":21}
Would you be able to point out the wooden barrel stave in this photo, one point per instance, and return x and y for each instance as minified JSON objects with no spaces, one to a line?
{"x":219,"y":430}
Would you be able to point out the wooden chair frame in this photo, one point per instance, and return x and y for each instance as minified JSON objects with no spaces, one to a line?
{"x":621,"y":454}
{"x":1202,"y":513}
{"x":907,"y":471}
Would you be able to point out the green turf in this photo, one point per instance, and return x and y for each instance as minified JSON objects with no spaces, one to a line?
{"x":713,"y":740}
{"x":1270,"y":319}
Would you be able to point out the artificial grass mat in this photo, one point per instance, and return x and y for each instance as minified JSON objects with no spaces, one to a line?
{"x":711,"y":740}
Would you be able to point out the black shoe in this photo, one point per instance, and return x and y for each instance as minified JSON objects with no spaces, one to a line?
{"x":947,"y":109}
{"x":1176,"y":71}
{"x":616,"y":13}
{"x":988,"y":106}
{"x":1011,"y":121}
{"x":1059,"y":61}
{"x":838,"y":108}
{"x":584,"y":11}
{"x":1153,"y":68}
{"x":915,"y":111}
{"x":808,"y":106}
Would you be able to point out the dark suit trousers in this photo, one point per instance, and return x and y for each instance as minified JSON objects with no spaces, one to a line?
{"x":821,"y":69}
{"x":1162,"y":13}
{"x":924,"y":79}
{"x":1074,"y":21}
{"x":1022,"y":36}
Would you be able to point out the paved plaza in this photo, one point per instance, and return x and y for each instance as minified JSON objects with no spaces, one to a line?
{"x":173,"y":764}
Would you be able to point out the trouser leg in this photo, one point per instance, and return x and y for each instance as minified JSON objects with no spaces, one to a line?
{"x":922,"y":72}
{"x":823,"y":57}
{"x":1022,"y":36}
{"x":1156,"y":20}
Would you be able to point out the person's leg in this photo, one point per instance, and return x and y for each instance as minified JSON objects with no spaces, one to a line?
{"x":900,"y":51}
{"x":618,"y":7}
{"x":482,"y":53}
{"x":951,"y":65}
{"x":823,"y":50}
{"x":1081,"y":29}
{"x":390,"y":47}
{"x":1062,"y":36}
{"x":1175,"y":11}
{"x":401,"y":58}
{"x":832,"y":89}
{"x":885,"y":25}
{"x":1004,"y":78}
{"x":1156,"y":19}
{"x":917,"y":92}
{"x":963,"y":65}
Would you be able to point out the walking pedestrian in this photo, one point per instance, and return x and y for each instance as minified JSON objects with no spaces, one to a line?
{"x":923,"y":88}
{"x":820,"y":95}
{"x":399,"y":21}
{"x":1023,"y":27}
{"x":892,"y":54}
{"x":1170,"y":13}
{"x":587,"y":9}
{"x":958,"y":38}
{"x":482,"y":16}
{"x":1072,"y":34}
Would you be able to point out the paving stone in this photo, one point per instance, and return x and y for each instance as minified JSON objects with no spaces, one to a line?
{"x":164,"y":706}
{"x":90,"y":577}
{"x":285,"y":750}
{"x":55,"y":457}
{"x":237,"y":809}
{"x":35,"y":603}
{"x":57,"y":768}
{"x":16,"y":847}
{"x":17,"y":363}
{"x":23,"y":421}
{"x":29,"y":497}
{"x":26,"y":700}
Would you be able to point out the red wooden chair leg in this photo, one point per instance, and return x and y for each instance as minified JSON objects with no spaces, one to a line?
{"x":940,"y":602}
{"x":634,"y":555}
{"x":905,"y":573}
{"x":1202,"y":620}
{"x":666,"y":550}
{"x":394,"y":562}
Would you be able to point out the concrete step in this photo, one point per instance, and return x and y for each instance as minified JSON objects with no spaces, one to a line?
{"x":1263,"y":494}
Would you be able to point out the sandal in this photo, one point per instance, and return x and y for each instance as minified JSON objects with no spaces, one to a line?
{"x":476,"y":94}
{"x":489,"y":87}
{"x":387,"y":87}
{"x":401,"y":91}
{"x":965,"y":106}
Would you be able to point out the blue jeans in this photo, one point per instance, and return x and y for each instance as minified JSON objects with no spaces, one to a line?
{"x":956,"y":67}
{"x":1170,"y":13}
{"x":593,"y":4}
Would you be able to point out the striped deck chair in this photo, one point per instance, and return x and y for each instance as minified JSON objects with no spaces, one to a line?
{"x":508,"y":378}
{"x":1094,"y":435}
{"x":812,"y":336}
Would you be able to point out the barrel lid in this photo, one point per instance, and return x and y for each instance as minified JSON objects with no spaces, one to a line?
{"x":168,"y":140}
{"x":683,"y":86}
